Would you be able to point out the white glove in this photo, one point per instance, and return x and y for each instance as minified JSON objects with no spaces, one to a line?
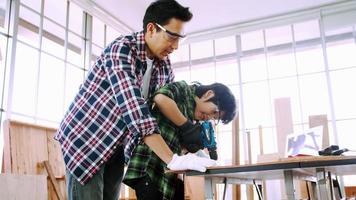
{"x":190,"y":161}
{"x":202,"y":154}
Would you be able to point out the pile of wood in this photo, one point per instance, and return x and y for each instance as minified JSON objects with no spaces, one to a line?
{"x":32,"y":164}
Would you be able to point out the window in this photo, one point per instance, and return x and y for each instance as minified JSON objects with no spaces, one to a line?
{"x":75,"y":53}
{"x":278,"y":36}
{"x":306,"y":31}
{"x":182,"y":73}
{"x":28,"y":28}
{"x":98,"y":32}
{"x":111,"y":34}
{"x":75,"y":23}
{"x":252,"y":40}
{"x":181,"y":54}
{"x":34,"y":4}
{"x":51,"y":87}
{"x":281,"y":64}
{"x":257,"y":105}
{"x":202,"y":50}
{"x":253,"y":68}
{"x":341,"y":54}
{"x":225,"y":45}
{"x":53,"y":39}
{"x":74,"y":77}
{"x":314,"y":95}
{"x":287,"y":88}
{"x":227,"y":72}
{"x":344,"y":98}
{"x":2,"y":13}
{"x":3,"y":41}
{"x":204,"y":73}
{"x":309,"y":59}
{"x":25,"y":80}
{"x":56,"y":11}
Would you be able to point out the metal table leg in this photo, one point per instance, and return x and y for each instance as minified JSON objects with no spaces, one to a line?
{"x":324,"y":192}
{"x":258,"y":190}
{"x":209,"y":188}
{"x":288,"y":181}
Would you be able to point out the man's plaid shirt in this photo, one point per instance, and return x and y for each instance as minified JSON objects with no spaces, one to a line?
{"x":109,"y":109}
{"x":143,"y":161}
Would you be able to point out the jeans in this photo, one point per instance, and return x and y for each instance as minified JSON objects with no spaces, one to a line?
{"x":104,"y":185}
{"x":146,"y":190}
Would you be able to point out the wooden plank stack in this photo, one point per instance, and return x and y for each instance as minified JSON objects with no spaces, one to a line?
{"x":26,"y":147}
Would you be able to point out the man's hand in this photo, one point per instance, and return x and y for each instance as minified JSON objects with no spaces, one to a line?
{"x":189,"y":135}
{"x":190,"y":161}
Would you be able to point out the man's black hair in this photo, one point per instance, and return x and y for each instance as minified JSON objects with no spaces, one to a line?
{"x":161,"y":11}
{"x":223,"y":98}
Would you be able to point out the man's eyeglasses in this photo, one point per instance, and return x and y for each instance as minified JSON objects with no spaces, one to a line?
{"x":172,"y":37}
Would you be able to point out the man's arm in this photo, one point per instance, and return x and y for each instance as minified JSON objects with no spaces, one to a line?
{"x":169,"y":108}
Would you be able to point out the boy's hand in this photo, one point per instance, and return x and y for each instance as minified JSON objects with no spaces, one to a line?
{"x":189,"y":134}
{"x":190,"y":161}
{"x":202,"y":154}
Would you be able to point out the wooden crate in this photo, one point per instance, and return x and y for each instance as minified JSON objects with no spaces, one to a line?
{"x":26,"y":146}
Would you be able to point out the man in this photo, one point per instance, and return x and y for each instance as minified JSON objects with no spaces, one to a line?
{"x":109,"y":116}
{"x":146,"y":172}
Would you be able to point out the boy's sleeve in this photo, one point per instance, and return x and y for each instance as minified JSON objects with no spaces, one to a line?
{"x":173,"y":90}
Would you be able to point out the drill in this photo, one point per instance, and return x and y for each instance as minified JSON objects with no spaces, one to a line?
{"x":208,"y":138}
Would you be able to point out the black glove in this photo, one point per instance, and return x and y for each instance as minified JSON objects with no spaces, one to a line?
{"x":189,"y":135}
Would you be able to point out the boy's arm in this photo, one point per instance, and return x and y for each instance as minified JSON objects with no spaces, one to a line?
{"x":156,"y":143}
{"x":169,"y":109}
{"x":173,"y":161}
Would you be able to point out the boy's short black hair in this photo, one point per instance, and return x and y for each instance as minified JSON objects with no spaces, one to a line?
{"x":223,"y":98}
{"x":161,"y":11}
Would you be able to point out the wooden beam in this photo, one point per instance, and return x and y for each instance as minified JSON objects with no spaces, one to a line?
{"x":321,"y":120}
{"x":236,"y":190}
{"x":6,"y":164}
{"x":53,"y":180}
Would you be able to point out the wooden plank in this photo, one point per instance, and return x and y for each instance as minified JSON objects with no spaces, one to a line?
{"x":260,"y":139}
{"x":28,"y":147}
{"x":236,"y":190}
{"x":36,"y":126}
{"x":29,"y":187}
{"x":194,"y":187}
{"x":56,"y":161}
{"x":53,"y":180}
{"x":260,"y":133}
{"x":284,"y":126}
{"x":6,"y":164}
{"x":321,"y":120}
{"x":350,"y":191}
{"x":284,"y":122}
{"x":249,"y":161}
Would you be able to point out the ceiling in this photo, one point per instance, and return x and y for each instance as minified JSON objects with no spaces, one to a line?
{"x":209,"y":14}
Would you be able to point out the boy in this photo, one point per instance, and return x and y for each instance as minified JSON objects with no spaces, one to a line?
{"x":145,"y":172}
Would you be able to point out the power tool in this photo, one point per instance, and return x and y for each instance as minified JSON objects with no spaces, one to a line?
{"x":207,"y":136}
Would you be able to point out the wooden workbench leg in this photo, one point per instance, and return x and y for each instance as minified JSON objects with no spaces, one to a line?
{"x":209,"y":188}
{"x":324,"y":192}
{"x":288,"y":181}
